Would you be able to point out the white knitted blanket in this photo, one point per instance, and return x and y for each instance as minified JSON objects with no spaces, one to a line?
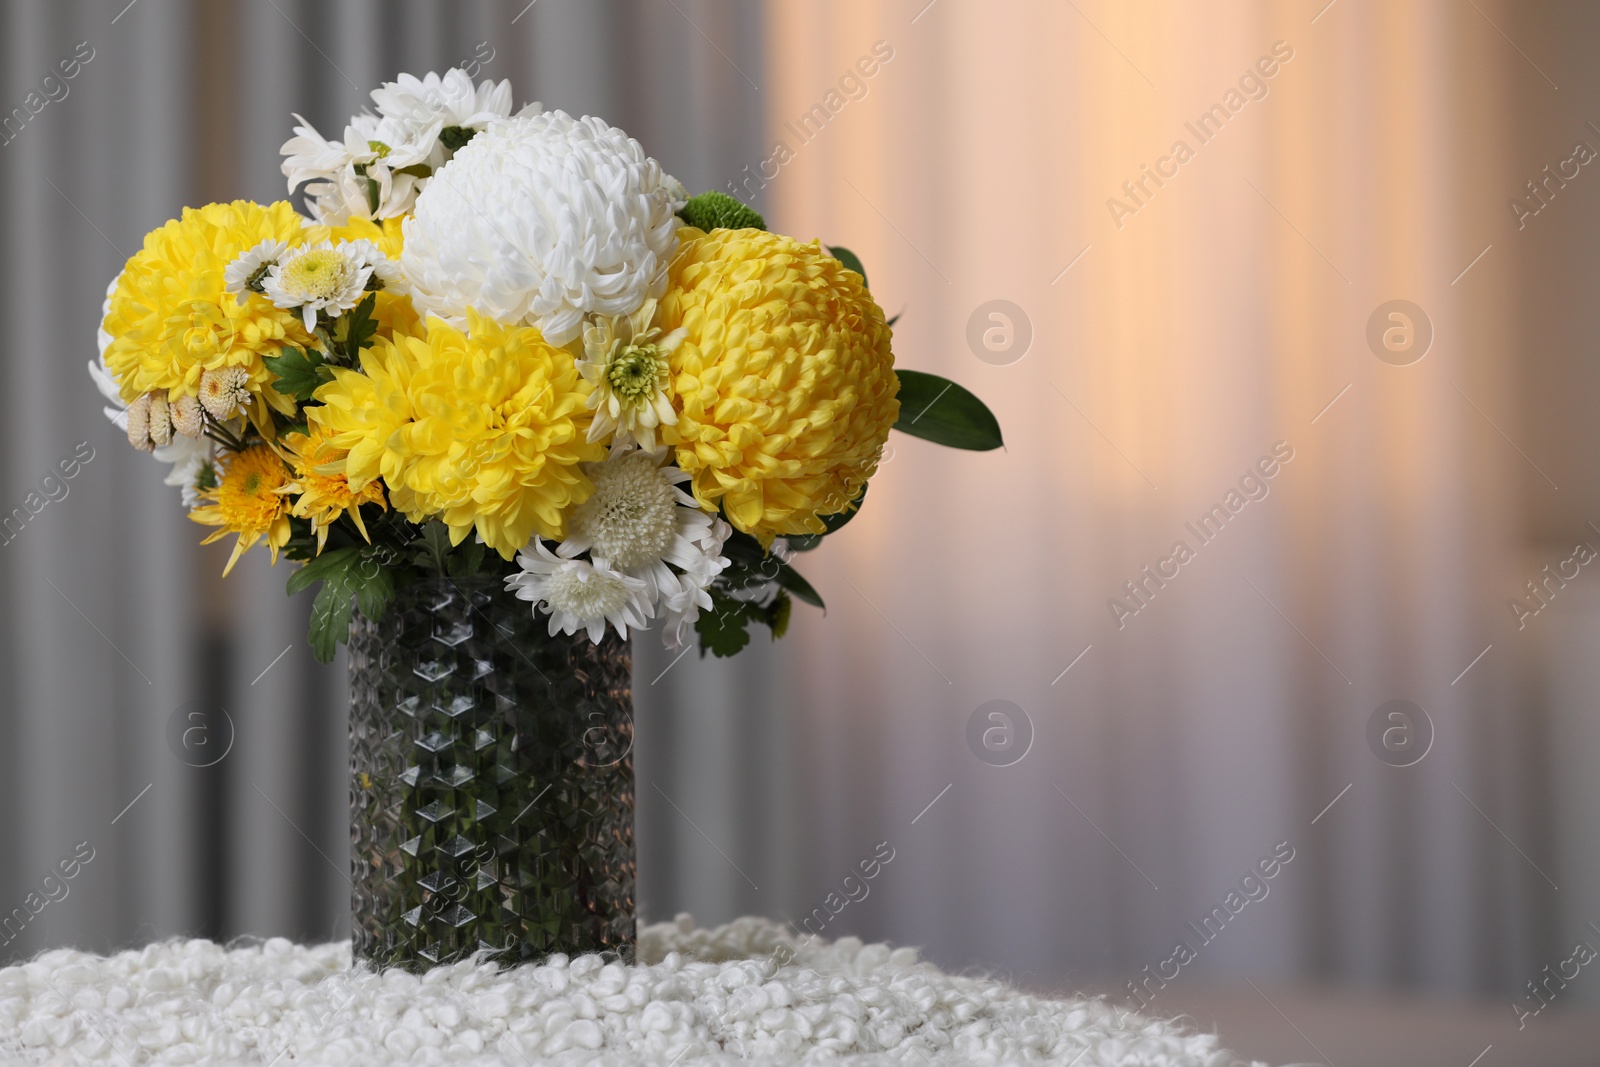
{"x":745,"y":992}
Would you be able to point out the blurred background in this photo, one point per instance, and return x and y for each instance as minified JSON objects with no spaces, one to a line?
{"x":1156,"y":327}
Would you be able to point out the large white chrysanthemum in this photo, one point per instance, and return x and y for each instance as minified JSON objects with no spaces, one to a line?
{"x":540,"y":220}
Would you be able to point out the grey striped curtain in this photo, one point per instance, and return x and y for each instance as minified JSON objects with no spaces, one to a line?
{"x":116,"y":620}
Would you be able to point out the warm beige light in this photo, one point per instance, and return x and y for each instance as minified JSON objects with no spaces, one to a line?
{"x":1187,"y":325}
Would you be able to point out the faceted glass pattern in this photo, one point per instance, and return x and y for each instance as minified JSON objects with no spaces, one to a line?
{"x":491,"y":793}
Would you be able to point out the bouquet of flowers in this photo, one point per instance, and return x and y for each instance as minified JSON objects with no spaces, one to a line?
{"x":509,"y":344}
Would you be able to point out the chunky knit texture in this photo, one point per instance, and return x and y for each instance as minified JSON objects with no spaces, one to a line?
{"x":745,"y":992}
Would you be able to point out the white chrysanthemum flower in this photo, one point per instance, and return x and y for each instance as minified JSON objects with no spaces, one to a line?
{"x":372,"y":174}
{"x":542,"y":219}
{"x":677,"y":190}
{"x":682,"y":608}
{"x":436,"y":102}
{"x":158,"y":420}
{"x":386,"y":159}
{"x":368,"y":256}
{"x":137,"y":422}
{"x":188,"y":418}
{"x":579,"y":594}
{"x":641,"y":522}
{"x":194,"y":466}
{"x":224,"y":391}
{"x":107,"y":384}
{"x":245,"y":274}
{"x":625,"y":359}
{"x":324,"y":277}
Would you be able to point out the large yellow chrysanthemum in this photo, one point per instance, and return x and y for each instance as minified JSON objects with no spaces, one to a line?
{"x":484,"y":430}
{"x":784,"y":382}
{"x":171,"y":319}
{"x":387,"y":235}
{"x":248,"y":501}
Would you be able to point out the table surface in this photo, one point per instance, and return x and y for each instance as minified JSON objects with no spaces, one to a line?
{"x":744,"y":992}
{"x":1307,"y":1024}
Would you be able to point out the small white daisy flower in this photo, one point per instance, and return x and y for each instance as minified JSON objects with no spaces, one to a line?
{"x":437,"y":102}
{"x":245,"y":274}
{"x":682,"y":608}
{"x":374,"y":173}
{"x":322,"y":278}
{"x":579,"y":594}
{"x":369,"y":256}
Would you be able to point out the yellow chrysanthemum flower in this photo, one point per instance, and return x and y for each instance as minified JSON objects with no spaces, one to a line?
{"x":484,"y":430}
{"x":320,"y":487}
{"x":784,"y":380}
{"x":387,"y":235}
{"x":171,"y":319}
{"x":248,"y":500}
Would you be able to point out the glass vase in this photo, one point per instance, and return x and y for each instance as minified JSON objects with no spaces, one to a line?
{"x":491,"y":794}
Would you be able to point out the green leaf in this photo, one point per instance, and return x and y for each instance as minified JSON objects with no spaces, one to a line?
{"x":329,"y":564}
{"x":744,"y":550}
{"x":433,"y":546}
{"x":454,"y":138}
{"x":722,"y":629}
{"x":371,"y":580}
{"x":941,"y":411}
{"x":778,"y":613}
{"x":851,"y":260}
{"x":790,"y":579}
{"x":467,"y":559}
{"x":330,"y":620}
{"x":351,"y":577}
{"x":837,"y":520}
{"x":300,"y":371}
{"x":360,"y":328}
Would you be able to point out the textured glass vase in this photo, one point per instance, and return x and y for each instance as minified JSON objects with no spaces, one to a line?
{"x":491,"y":794}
